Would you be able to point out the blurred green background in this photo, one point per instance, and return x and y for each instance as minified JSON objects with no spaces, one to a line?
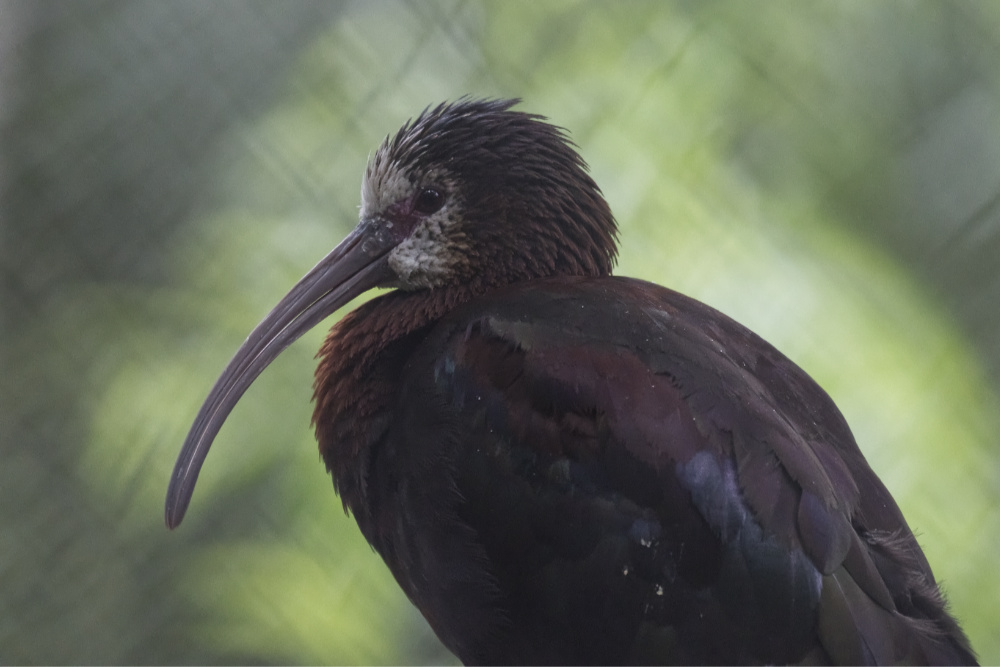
{"x":828,"y":173}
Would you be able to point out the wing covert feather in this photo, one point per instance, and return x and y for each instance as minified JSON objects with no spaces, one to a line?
{"x":721,"y":426}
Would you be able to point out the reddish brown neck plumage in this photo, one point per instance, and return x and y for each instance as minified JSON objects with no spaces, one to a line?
{"x":358,"y":375}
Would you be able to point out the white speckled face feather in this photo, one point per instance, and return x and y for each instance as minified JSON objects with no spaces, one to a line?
{"x":427,"y":256}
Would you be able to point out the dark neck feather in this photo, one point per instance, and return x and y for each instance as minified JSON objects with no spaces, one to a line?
{"x":358,"y":372}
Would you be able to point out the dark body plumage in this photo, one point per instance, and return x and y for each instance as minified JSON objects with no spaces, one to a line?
{"x":559,"y":466}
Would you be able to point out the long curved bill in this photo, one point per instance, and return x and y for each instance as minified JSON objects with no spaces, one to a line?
{"x":355,"y":266}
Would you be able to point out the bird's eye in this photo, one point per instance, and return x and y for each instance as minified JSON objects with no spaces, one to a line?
{"x":429,"y":201}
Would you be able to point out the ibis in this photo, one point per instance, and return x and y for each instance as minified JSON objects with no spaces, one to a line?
{"x":561,"y":466}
